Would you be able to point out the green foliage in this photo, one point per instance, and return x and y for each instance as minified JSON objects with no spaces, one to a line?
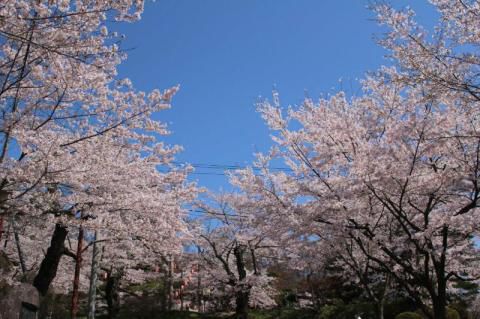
{"x":398,"y":305}
{"x":147,"y":288}
{"x":469,"y":289}
{"x":339,"y":310}
{"x":164,"y":315}
{"x":452,"y":314}
{"x":285,"y":313}
{"x":179,"y":315}
{"x":408,"y":315}
{"x":288,"y":298}
{"x":461,"y":307}
{"x":328,"y":311}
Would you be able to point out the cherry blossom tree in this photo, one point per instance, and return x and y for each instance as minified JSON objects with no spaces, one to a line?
{"x":233,"y":251}
{"x":79,"y":148}
{"x":445,"y":61}
{"x":396,"y":169}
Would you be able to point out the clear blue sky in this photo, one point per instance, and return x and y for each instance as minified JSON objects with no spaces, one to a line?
{"x":227,"y":53}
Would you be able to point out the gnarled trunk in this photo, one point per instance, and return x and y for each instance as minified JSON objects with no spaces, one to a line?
{"x":243,"y":294}
{"x":111,"y":294}
{"x":241,"y":308}
{"x":199,"y":291}
{"x":49,"y":265}
{"x":440,"y":301}
{"x":1,"y":227}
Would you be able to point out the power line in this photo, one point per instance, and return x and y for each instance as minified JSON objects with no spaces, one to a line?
{"x":227,"y":167}
{"x":206,"y":173}
{"x":212,"y":169}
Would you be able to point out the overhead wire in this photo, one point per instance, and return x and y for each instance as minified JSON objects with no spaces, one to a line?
{"x":224,"y":168}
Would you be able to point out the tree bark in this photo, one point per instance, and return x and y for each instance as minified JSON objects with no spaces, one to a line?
{"x":49,"y":265}
{"x":3,"y":211}
{"x":243,"y":292}
{"x":170,"y":284}
{"x":111,"y":294}
{"x":382,"y":297}
{"x":440,"y":301}
{"x":439,"y":309}
{"x":199,"y":287}
{"x":7,"y":232}
{"x":1,"y":227}
{"x":241,"y":308}
{"x":164,"y":293}
{"x":180,"y":291}
{"x":76,"y":278}
{"x":381,"y":306}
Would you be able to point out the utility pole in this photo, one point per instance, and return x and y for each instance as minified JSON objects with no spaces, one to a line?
{"x":92,"y":291}
{"x":19,"y":247}
{"x":76,"y":278}
{"x":170,"y":283}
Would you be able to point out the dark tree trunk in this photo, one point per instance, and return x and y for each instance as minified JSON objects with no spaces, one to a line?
{"x":49,"y":265}
{"x":440,"y":301}
{"x":3,"y":198}
{"x":7,"y":233}
{"x":199,"y":292}
{"x":170,"y":284}
{"x":163,"y":294}
{"x":181,"y":300}
{"x":76,"y":278}
{"x":241,"y":308}
{"x":243,"y":292}
{"x":380,"y":308}
{"x":111,"y":294}
{"x":1,"y":227}
{"x":180,"y":291}
{"x":439,"y":310}
{"x":381,"y":299}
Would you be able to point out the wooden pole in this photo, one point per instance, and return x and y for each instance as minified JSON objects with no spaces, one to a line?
{"x":19,"y":247}
{"x":92,"y":292}
{"x":76,"y":278}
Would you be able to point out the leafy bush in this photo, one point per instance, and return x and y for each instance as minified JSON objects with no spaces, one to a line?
{"x":408,"y":315}
{"x":283,"y":313}
{"x":288,"y":298}
{"x":328,"y":311}
{"x":340,"y":310}
{"x":462,"y":307}
{"x":398,"y":305}
{"x":452,"y":314}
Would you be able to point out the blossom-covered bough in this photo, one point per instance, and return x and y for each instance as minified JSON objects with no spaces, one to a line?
{"x":396,"y":170}
{"x":234,"y":253}
{"x":387,"y":182}
{"x":78,"y":145}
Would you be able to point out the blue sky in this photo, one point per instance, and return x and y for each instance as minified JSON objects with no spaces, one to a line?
{"x":225,"y":54}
